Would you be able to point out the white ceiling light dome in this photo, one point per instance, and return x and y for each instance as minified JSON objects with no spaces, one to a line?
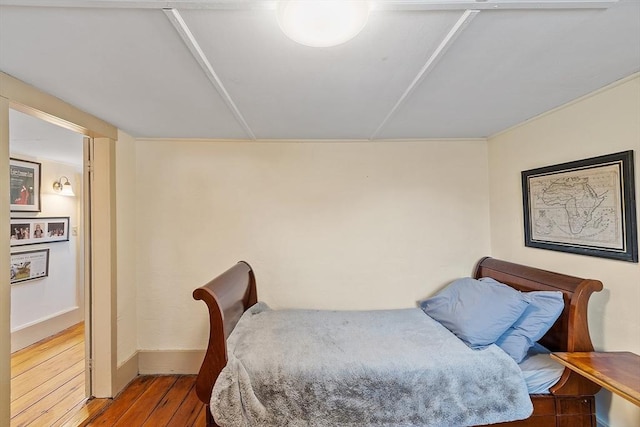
{"x":322,"y":23}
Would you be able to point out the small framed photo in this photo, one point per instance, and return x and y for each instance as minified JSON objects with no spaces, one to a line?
{"x":24,"y":185}
{"x":29,"y":231}
{"x":29,"y":265}
{"x":584,"y":207}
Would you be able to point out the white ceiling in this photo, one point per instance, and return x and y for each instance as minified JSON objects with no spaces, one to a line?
{"x":38,"y":139}
{"x":223,"y":69}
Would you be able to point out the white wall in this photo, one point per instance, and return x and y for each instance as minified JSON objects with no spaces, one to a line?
{"x":604,"y":123}
{"x":325,"y":225}
{"x":42,"y":307}
{"x":126,"y":207}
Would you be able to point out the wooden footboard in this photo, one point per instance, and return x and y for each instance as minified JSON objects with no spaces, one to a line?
{"x":227,"y":297}
{"x":571,"y":402}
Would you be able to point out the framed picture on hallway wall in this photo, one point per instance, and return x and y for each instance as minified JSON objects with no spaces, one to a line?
{"x":29,"y":265}
{"x":24,"y":185}
{"x":29,"y":231}
{"x":584,"y":207}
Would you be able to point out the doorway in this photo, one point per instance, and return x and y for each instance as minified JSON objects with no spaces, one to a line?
{"x":48,"y":344}
{"x":100,"y":240}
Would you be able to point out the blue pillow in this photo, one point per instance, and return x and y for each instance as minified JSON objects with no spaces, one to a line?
{"x":543,"y":310}
{"x":478,"y":312}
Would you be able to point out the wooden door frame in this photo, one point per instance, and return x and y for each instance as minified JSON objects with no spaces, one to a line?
{"x":15,"y":94}
{"x":5,"y":287}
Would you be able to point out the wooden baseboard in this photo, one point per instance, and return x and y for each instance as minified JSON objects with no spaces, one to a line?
{"x":152,"y":362}
{"x":36,"y":331}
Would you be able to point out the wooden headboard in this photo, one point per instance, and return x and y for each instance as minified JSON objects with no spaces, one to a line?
{"x":571,"y":330}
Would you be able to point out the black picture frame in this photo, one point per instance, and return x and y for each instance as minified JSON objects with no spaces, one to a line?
{"x":29,"y":265}
{"x":24,"y":185}
{"x":584,"y":207}
{"x":35,"y":230}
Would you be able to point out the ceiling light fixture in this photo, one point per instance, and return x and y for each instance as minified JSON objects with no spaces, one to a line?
{"x":322,"y":23}
{"x":63,"y":188}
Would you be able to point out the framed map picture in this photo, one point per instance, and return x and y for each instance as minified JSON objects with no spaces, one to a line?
{"x":24,"y":185}
{"x":585,"y":207}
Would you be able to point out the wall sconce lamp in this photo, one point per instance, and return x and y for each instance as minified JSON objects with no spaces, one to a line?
{"x":63,"y":188}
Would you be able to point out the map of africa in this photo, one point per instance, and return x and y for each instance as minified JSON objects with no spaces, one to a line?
{"x":579,"y":207}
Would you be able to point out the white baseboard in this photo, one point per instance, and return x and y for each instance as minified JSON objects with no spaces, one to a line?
{"x":126,"y":372}
{"x":152,"y":362}
{"x":33,"y":332}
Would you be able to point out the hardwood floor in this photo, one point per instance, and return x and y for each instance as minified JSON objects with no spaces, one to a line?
{"x":154,"y":401}
{"x":47,"y":389}
{"x":47,"y":380}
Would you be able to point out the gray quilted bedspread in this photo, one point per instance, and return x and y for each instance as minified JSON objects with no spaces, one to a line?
{"x":361,"y":368}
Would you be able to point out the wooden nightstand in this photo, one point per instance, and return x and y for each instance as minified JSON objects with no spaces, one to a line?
{"x":618,"y":372}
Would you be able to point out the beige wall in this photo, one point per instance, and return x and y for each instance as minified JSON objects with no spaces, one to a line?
{"x":126,"y":207}
{"x":325,"y":225}
{"x":605,"y":122}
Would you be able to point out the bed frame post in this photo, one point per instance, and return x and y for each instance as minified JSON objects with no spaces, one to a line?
{"x":210,"y":421}
{"x":227,"y":297}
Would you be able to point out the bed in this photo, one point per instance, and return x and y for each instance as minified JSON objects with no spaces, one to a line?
{"x":570,"y":402}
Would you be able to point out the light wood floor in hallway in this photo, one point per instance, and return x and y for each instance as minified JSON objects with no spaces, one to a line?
{"x":48,"y":381}
{"x":47,"y":389}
